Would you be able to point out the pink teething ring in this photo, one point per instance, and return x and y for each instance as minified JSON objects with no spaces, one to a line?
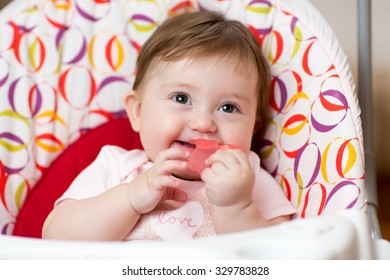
{"x":202,"y":151}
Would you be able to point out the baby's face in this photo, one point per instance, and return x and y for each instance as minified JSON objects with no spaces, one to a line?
{"x":209,"y":98}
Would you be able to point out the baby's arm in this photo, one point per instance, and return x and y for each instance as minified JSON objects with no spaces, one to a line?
{"x":236,"y":219}
{"x":112,"y":214}
{"x":108,"y":216}
{"x":229,"y":183}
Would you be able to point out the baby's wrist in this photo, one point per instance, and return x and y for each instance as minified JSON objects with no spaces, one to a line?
{"x":130,"y":198}
{"x":232,"y":209}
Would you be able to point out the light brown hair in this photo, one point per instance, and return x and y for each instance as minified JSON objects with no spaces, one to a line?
{"x":204,"y":34}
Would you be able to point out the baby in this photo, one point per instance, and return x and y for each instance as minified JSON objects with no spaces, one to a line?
{"x":201,"y":80}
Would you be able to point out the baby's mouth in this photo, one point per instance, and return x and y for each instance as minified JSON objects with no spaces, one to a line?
{"x":187,"y":145}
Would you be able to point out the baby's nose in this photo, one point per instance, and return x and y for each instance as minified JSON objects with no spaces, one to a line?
{"x":202,"y":122}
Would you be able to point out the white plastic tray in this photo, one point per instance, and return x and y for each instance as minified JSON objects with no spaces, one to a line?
{"x":345,"y":235}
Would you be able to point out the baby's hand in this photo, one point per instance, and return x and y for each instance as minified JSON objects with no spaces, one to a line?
{"x":157,"y":183}
{"x":229,"y":179}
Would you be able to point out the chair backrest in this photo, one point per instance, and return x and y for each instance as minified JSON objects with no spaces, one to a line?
{"x":66,"y":65}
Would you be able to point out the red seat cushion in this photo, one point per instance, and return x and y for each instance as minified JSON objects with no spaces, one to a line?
{"x":65,"y":168}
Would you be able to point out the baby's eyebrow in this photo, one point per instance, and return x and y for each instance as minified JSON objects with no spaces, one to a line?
{"x":179,"y":85}
{"x":241,"y":97}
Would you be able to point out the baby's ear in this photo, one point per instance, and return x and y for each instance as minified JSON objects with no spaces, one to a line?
{"x":133,"y":109}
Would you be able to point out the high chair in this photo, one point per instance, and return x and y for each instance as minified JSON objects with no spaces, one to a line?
{"x":64,"y":69}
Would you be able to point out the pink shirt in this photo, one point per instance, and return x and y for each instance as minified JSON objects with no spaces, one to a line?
{"x":171,"y":220}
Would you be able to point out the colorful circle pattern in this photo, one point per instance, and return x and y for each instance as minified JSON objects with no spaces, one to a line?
{"x":65,"y":66}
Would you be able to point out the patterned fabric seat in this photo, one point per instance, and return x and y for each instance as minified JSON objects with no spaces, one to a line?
{"x":66,"y":65}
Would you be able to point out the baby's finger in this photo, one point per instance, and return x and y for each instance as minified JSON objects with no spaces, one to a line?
{"x":232,"y":157}
{"x":223,"y":156}
{"x":169,"y":166}
{"x":162,"y":182}
{"x":240,"y":156}
{"x":219,"y":168}
{"x":172,"y":153}
{"x":175,"y":194}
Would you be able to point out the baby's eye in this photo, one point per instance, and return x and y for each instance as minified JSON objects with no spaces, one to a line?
{"x":181,"y":98}
{"x":229,"y":108}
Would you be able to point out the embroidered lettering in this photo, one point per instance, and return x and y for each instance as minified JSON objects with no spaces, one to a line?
{"x":163,"y":219}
